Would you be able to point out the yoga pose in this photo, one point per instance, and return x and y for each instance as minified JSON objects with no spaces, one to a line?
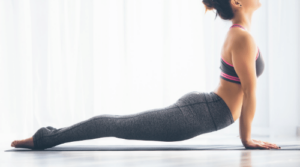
{"x":194,"y":113}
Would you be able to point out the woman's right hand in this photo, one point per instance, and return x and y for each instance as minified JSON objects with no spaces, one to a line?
{"x":258,"y":144}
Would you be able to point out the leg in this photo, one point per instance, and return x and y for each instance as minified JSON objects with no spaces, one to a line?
{"x":193,"y":114}
{"x":165,"y":124}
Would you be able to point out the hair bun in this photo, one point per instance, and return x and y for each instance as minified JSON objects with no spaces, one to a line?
{"x":209,"y":4}
{"x":223,"y":8}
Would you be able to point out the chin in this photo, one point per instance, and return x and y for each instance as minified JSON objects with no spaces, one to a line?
{"x":259,"y":5}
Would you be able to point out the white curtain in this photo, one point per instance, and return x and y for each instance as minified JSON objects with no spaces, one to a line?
{"x":64,"y":61}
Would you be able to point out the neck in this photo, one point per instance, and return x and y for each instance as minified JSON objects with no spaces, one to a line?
{"x":242,"y":19}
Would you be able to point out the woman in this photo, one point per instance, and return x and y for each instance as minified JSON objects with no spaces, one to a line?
{"x":194,"y":113}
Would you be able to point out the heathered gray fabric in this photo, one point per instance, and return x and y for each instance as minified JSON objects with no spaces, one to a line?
{"x":193,"y":114}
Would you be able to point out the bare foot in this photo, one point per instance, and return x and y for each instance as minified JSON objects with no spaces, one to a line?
{"x":26,"y":143}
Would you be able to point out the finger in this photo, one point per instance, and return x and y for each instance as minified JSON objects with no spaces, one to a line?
{"x":267,"y":146}
{"x":271,"y":145}
{"x":266,"y":143}
{"x":263,"y":146}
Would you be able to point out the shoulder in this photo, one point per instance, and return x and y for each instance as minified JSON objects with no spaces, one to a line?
{"x":243,"y":52}
{"x":242,"y":42}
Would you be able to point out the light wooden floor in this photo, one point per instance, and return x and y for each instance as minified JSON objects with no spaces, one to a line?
{"x":157,"y":158}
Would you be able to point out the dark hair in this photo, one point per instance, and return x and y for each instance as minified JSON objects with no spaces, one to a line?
{"x":222,"y":7}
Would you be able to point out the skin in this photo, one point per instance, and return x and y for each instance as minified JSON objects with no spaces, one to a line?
{"x":240,"y":50}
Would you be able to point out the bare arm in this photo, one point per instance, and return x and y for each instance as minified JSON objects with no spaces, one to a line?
{"x":246,"y":118}
{"x":243,"y":58}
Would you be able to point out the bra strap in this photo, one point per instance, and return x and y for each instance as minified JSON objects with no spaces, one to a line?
{"x":237,"y":25}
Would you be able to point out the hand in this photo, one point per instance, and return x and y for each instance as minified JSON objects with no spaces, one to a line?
{"x":260,"y":144}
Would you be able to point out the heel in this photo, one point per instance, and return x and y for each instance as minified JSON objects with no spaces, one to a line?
{"x":37,"y":138}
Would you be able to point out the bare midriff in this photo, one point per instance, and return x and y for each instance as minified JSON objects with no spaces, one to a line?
{"x":232,"y":94}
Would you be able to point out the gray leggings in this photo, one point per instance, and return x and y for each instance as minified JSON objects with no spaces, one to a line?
{"x":193,"y":114}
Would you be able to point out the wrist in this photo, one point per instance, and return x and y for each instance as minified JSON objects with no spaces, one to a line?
{"x":245,"y":141}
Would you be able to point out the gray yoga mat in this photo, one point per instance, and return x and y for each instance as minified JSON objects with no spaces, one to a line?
{"x":152,"y":148}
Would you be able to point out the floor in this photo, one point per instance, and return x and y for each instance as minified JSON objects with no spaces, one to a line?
{"x":232,"y":158}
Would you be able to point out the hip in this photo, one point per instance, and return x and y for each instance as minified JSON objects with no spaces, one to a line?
{"x":206,"y":107}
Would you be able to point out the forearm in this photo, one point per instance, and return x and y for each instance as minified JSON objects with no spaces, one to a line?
{"x":247,"y":115}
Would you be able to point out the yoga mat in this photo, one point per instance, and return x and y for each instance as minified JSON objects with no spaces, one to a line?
{"x":152,"y":148}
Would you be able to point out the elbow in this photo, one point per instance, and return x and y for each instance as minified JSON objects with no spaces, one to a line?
{"x":248,"y":93}
{"x":249,"y":88}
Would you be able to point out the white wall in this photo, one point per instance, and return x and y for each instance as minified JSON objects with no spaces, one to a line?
{"x":63,"y":61}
